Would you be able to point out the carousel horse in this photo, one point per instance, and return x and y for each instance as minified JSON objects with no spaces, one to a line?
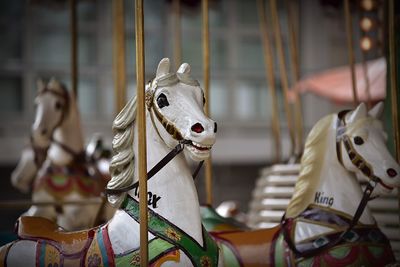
{"x":327,"y":222}
{"x":175,"y":121}
{"x":56,"y":159}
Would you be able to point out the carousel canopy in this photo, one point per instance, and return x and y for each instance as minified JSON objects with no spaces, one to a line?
{"x":335,"y":84}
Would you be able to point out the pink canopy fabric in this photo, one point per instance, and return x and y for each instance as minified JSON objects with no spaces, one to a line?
{"x":335,"y":84}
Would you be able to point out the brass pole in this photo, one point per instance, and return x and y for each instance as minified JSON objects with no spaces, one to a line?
{"x":393,"y":78}
{"x":393,"y":82}
{"x":141,"y":119}
{"x":206,"y":73}
{"x":366,"y":78}
{"x":349,"y":31}
{"x":177,"y":33}
{"x":74,"y":46}
{"x":119,"y":54}
{"x":269,"y":73}
{"x":295,"y":66}
{"x":283,"y":71}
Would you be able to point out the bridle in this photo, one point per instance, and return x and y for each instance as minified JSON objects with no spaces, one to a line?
{"x":357,"y":160}
{"x":360,"y":163}
{"x":40,"y":153}
{"x":165,"y":80}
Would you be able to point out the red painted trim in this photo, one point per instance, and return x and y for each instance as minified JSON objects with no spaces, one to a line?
{"x":108,"y":246}
{"x":38,"y":251}
{"x":229,"y":244}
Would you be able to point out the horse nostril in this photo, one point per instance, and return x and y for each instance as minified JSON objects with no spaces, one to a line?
{"x":44,"y":131}
{"x":391,"y":172}
{"x":197,"y":128}
{"x":215,"y":127}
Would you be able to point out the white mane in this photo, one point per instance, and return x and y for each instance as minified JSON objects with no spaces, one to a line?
{"x":311,"y":165}
{"x":122,"y":166}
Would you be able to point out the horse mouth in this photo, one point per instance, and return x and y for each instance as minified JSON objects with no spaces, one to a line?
{"x":388,"y":187}
{"x":199,"y":147}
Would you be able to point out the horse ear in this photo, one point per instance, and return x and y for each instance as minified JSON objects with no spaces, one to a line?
{"x":377,"y":111}
{"x":358,"y":113}
{"x":40,"y":85}
{"x":184,"y":68}
{"x":163,"y":67}
{"x":54,"y":83}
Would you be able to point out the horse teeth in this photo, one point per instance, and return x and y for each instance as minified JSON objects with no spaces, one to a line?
{"x":200,"y":145}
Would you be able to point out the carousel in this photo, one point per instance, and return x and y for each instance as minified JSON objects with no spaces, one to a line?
{"x":328,"y":195}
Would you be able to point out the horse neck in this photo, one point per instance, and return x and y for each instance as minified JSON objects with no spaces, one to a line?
{"x":69,"y":133}
{"x":338,"y":188}
{"x":173,"y":186}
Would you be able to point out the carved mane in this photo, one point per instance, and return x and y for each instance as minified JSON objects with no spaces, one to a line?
{"x":311,"y":165}
{"x":122,"y":166}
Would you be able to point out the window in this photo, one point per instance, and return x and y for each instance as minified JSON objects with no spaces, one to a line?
{"x":38,"y":46}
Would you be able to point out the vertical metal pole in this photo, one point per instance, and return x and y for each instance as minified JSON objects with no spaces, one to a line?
{"x":365,"y":72}
{"x":366,"y":78}
{"x":141,"y":120}
{"x":269,"y":73}
{"x":206,"y":73}
{"x":283,"y":71}
{"x":393,"y":81}
{"x":176,"y":5}
{"x":295,"y":66}
{"x":393,"y":78}
{"x":119,"y":54}
{"x":349,"y":31}
{"x":74,"y":46}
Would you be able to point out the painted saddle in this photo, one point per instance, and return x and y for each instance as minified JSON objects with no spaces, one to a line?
{"x":364,"y":245}
{"x":57,"y":247}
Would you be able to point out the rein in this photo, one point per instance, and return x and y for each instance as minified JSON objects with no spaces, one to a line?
{"x":161,"y":164}
{"x":361,"y":164}
{"x":39,"y":153}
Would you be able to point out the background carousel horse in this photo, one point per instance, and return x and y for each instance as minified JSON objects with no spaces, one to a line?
{"x":56,"y":157}
{"x":175,"y":120}
{"x":327,"y":222}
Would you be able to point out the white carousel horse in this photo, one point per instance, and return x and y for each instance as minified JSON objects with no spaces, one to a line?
{"x":57,"y":159}
{"x":174,"y":119}
{"x":327,"y":222}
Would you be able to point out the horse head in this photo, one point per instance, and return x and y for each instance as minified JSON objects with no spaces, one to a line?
{"x":175,"y":116}
{"x":176,"y":106}
{"x":364,"y":150}
{"x":52,"y":104}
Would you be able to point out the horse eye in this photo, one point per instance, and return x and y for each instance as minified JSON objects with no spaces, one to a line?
{"x":358,"y":140}
{"x":162,"y":101}
{"x":58,"y":105}
{"x":204,"y":100}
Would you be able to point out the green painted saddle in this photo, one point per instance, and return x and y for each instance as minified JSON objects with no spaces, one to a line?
{"x":169,"y":239}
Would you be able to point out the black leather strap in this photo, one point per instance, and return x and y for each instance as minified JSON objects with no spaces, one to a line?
{"x":197,"y":170}
{"x":76,"y":157}
{"x":161,"y":164}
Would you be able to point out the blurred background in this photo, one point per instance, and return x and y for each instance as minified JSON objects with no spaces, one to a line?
{"x":35,"y":43}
